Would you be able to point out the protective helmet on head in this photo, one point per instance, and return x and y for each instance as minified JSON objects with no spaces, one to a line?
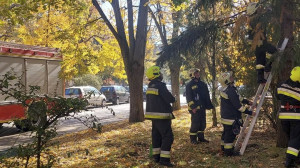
{"x":153,"y":72}
{"x":295,"y":74}
{"x":193,"y":71}
{"x":224,"y":78}
{"x":252,"y":7}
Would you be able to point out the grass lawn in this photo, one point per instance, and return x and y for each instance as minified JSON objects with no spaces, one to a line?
{"x":127,"y":145}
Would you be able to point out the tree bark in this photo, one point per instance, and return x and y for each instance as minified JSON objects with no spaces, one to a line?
{"x":175,"y":62}
{"x":175,"y":86}
{"x":133,"y":55}
{"x":287,"y":28}
{"x":213,"y":71}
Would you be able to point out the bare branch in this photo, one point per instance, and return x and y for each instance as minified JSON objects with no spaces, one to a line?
{"x":119,"y":21}
{"x":130,"y":27}
{"x":141,"y":33}
{"x":163,"y":38}
{"x":109,"y":25}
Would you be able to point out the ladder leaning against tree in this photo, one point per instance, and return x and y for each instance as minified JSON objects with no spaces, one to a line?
{"x":259,"y":97}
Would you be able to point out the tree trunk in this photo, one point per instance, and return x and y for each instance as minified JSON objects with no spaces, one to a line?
{"x":287,"y":28}
{"x":135,"y":75}
{"x":38,"y":150}
{"x":135,"y":67}
{"x":213,"y":71}
{"x":175,"y":86}
{"x":133,"y":54}
{"x":175,"y":63}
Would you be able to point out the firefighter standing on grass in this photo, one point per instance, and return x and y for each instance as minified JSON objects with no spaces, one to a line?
{"x":197,"y":96}
{"x":159,"y":110}
{"x":231,"y":112}
{"x":257,"y":23}
{"x":289,"y":94}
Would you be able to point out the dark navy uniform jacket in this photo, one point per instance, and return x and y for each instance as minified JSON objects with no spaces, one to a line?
{"x":232,"y":105}
{"x":158,"y":99}
{"x":197,"y":95}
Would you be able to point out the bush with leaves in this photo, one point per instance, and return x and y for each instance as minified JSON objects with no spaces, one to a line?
{"x":88,"y":79}
{"x":42,"y":114}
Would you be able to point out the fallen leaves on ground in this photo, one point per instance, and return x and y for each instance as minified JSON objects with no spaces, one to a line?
{"x":127,"y":145}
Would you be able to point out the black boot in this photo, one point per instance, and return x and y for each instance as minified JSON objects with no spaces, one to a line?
{"x":231,"y":152}
{"x":260,"y":76}
{"x":297,"y":161}
{"x":222,"y":148}
{"x":289,"y":162}
{"x":268,"y":67}
{"x":201,"y":137}
{"x":194,"y":139}
{"x":165,"y":162}
{"x":156,"y":158}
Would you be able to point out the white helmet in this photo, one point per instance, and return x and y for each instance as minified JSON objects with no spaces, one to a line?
{"x":193,"y":71}
{"x":224,"y":78}
{"x":252,"y":7}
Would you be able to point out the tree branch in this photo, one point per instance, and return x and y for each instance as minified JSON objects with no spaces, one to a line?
{"x":163,"y":38}
{"x":119,"y":21}
{"x":130,"y":27}
{"x":141,"y":33}
{"x":107,"y":22}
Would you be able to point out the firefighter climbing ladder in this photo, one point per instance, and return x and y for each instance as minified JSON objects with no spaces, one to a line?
{"x":259,"y":96}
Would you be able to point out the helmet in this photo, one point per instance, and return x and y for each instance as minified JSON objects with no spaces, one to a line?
{"x":224,"y":78}
{"x":251,"y":8}
{"x":192,"y":72}
{"x":295,"y":74}
{"x":153,"y":72}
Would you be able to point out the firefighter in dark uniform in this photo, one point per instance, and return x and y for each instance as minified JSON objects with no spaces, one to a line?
{"x":231,"y":112}
{"x":263,"y":49}
{"x":197,"y":97}
{"x":159,"y":110}
{"x":289,"y":94}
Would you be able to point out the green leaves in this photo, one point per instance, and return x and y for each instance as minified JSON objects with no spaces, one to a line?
{"x":179,"y":2}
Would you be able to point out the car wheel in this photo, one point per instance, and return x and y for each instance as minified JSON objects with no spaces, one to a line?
{"x":103,"y":103}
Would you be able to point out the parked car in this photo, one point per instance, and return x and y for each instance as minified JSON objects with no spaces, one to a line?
{"x":169,"y":87}
{"x":145,"y":87}
{"x":115,"y":94}
{"x":96,"y":98}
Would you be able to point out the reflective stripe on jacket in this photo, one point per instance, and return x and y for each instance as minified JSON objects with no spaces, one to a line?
{"x":289,"y":94}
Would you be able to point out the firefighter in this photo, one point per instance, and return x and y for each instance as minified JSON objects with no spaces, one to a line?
{"x":231,"y":110}
{"x":263,"y":50}
{"x":159,"y":110}
{"x":289,"y":94}
{"x":197,"y":97}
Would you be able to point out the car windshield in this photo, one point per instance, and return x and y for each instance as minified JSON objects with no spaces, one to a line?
{"x":106,"y":89}
{"x":72,"y":91}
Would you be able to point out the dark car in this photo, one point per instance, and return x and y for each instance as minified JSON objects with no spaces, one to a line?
{"x":115,"y":94}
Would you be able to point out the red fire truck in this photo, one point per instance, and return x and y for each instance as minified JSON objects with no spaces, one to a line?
{"x":38,"y":66}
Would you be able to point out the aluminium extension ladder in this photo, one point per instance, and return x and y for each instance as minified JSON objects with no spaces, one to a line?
{"x":259,"y":96}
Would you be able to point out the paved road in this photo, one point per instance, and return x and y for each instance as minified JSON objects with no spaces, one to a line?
{"x":11,"y":136}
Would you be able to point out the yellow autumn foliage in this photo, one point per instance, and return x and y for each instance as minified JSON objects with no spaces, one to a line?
{"x":85,"y":43}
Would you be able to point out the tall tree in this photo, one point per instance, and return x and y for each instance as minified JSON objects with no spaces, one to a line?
{"x":132,"y":50}
{"x":159,"y":17}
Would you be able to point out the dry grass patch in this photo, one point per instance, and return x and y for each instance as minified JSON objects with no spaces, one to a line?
{"x":127,"y":145}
